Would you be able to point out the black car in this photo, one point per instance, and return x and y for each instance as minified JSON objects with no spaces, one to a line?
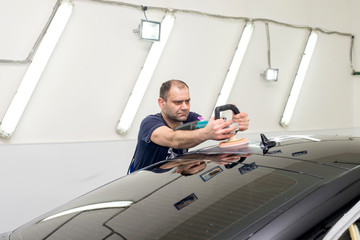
{"x":292,"y":187}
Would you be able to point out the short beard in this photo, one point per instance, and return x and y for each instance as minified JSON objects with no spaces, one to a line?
{"x":174,"y":119}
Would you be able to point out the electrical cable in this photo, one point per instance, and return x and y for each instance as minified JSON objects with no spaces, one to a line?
{"x":268,"y":43}
{"x":38,"y":40}
{"x":144,"y":8}
{"x":354,"y":72}
{"x":171,"y":10}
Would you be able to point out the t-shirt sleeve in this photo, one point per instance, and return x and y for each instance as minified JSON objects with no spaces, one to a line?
{"x":148,"y":126}
{"x":194,"y":117}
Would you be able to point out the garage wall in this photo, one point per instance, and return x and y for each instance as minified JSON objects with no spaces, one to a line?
{"x":355,"y":19}
{"x":86,"y":84}
{"x":66,"y":143}
{"x":36,"y":178}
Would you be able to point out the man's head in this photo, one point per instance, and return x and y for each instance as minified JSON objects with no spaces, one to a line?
{"x":174,"y":101}
{"x":165,"y":87}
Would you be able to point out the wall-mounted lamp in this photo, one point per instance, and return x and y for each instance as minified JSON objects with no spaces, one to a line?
{"x":299,"y":79}
{"x":270,"y":74}
{"x":148,"y":30}
{"x":35,"y":69}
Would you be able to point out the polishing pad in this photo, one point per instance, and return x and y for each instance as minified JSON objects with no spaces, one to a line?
{"x":234,"y":142}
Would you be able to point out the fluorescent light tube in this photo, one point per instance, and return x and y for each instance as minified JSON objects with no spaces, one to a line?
{"x":235,"y":65}
{"x":36,"y":68}
{"x":299,"y":79}
{"x":145,"y":76}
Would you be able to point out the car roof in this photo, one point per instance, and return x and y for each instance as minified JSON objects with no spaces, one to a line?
{"x":209,"y":193}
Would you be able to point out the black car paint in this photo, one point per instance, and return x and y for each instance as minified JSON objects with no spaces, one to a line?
{"x":325,"y":176}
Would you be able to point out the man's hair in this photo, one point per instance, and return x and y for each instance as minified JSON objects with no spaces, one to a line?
{"x":165,"y":87}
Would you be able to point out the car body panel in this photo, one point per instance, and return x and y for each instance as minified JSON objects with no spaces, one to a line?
{"x":231,"y":193}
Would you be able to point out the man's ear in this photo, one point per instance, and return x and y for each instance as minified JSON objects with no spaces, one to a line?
{"x":161,"y":103}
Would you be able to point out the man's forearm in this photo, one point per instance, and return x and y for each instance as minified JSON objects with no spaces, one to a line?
{"x":188,"y":139}
{"x":215,"y":130}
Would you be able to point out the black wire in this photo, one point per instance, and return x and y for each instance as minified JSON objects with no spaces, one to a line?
{"x":268,"y":43}
{"x":144,"y":8}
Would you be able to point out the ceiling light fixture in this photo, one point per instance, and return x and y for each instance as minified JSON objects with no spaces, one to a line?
{"x":145,"y":76}
{"x":35,"y":69}
{"x":299,"y":79}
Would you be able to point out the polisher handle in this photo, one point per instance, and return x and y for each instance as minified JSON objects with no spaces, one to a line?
{"x":225,"y":107}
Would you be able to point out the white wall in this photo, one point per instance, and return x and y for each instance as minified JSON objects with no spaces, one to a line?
{"x":72,"y":115}
{"x":355,"y":19}
{"x":85,"y":86}
{"x":36,"y":178}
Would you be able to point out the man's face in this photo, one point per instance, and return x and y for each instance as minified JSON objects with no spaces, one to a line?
{"x":177,"y":105}
{"x":192,"y":168}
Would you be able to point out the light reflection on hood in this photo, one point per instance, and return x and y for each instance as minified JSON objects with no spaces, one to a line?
{"x":117,"y":204}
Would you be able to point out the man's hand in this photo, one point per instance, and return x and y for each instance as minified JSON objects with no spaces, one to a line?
{"x":219,"y":129}
{"x":242,"y":119}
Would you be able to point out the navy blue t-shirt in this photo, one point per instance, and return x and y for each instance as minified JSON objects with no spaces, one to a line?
{"x":147,"y":152}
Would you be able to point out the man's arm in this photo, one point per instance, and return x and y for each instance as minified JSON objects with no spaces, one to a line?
{"x":214,"y":130}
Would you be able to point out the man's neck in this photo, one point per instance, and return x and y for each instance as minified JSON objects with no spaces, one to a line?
{"x":171,"y":124}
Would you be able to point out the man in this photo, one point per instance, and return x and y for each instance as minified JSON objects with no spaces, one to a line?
{"x":157,"y":139}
